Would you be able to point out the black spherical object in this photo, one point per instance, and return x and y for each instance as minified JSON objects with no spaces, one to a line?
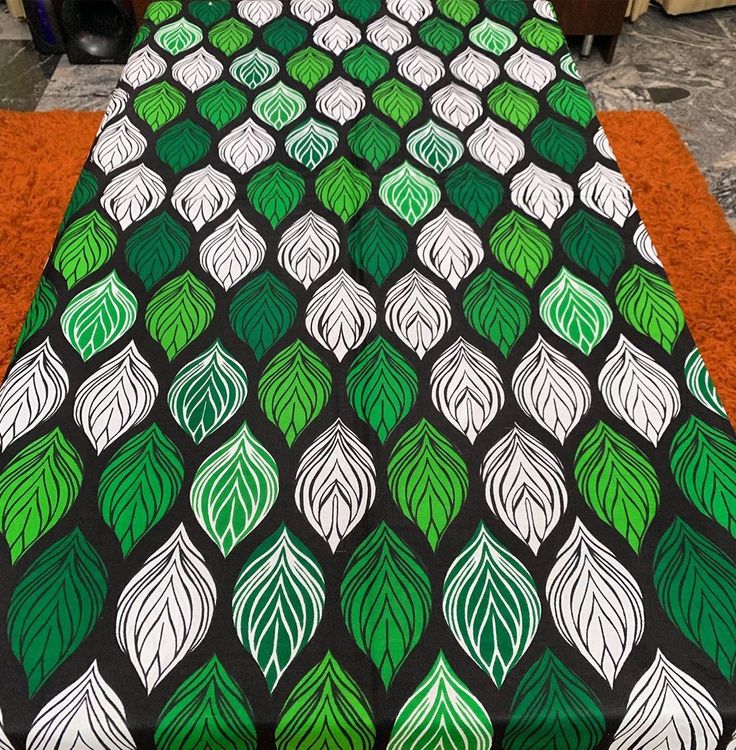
{"x":97,"y":31}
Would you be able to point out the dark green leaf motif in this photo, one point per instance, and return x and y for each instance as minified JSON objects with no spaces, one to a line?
{"x":377,"y":245}
{"x":593,"y":245}
{"x":85,"y":245}
{"x":208,"y":11}
{"x":86,"y":189}
{"x":41,"y":309}
{"x":441,"y":35}
{"x":275,"y":192}
{"x":571,"y":100}
{"x":156,"y":248}
{"x":208,"y":711}
{"x":371,"y":139}
{"x":285,"y":35}
{"x":342,"y":188}
{"x":309,"y":66}
{"x":696,"y":584}
{"x":521,"y":246}
{"x":366,"y":64}
{"x":360,"y":10}
{"x":139,"y":485}
{"x":559,"y":143}
{"x":55,"y":606}
{"x":221,"y":103}
{"x":511,"y":11}
{"x":182,"y":145}
{"x":474,"y":191}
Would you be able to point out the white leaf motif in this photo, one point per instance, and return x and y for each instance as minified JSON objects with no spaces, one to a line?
{"x":456,"y":105}
{"x":311,"y":11}
{"x":596,"y":604}
{"x":541,"y":194}
{"x":645,"y":246}
{"x":530,"y":69}
{"x":340,"y":100}
{"x":601,"y":142}
{"x":496,"y":147}
{"x":116,"y":106}
{"x":203,"y":195}
{"x":420,"y":67}
{"x":336,"y":35}
{"x":118,"y":145}
{"x":259,"y":12}
{"x":246,"y":146}
{"x":143,"y":66}
{"x":411,"y":11}
{"x":133,"y":194}
{"x":466,"y":388}
{"x":606,"y":191}
{"x":525,"y":486}
{"x":545,"y":10}
{"x":335,"y":483}
{"x":308,"y":248}
{"x":34,"y":389}
{"x":388,"y":35}
{"x":197,"y":70}
{"x":116,"y":397}
{"x":87,"y":715}
{"x":166,"y":609}
{"x":475,"y":69}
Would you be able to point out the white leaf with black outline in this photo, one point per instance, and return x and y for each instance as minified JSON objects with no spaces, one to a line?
{"x":496,"y":147}
{"x":529,"y":69}
{"x":246,"y":146}
{"x":340,"y":100}
{"x":308,"y":248}
{"x":133,"y":194}
{"x":541,"y":194}
{"x":388,"y":35}
{"x":420,"y":67}
{"x":474,"y":68}
{"x":143,"y":66}
{"x":203,"y":195}
{"x":197,"y":70}
{"x":456,"y":105}
{"x":605,"y":191}
{"x":336,"y":35}
{"x":118,"y":145}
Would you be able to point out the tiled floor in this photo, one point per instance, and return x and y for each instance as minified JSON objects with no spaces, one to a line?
{"x":684,"y":66}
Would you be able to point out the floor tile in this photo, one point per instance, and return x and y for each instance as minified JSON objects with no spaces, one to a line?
{"x":25,"y":74}
{"x":82,"y":87}
{"x":11,"y":27}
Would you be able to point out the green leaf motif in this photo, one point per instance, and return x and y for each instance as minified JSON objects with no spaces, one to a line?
{"x":99,"y":316}
{"x":361,"y":10}
{"x":275,"y":192}
{"x":84,"y":246}
{"x":208,"y":11}
{"x":442,"y":713}
{"x":559,"y":143}
{"x":618,"y":482}
{"x":386,"y":599}
{"x":366,"y":64}
{"x":699,"y":383}
{"x":221,"y":103}
{"x":462,"y":11}
{"x":179,"y":36}
{"x":491,"y":605}
{"x":311,"y":143}
{"x":434,"y":146}
{"x":513,"y":104}
{"x":208,"y":710}
{"x":511,"y":11}
{"x":207,"y":392}
{"x":156,"y":248}
{"x":179,"y":312}
{"x":371,"y":139}
{"x":492,"y":37}
{"x":279,"y":105}
{"x":139,"y":485}
{"x":703,"y":461}
{"x":326,"y":709}
{"x":309,"y":66}
{"x":277,"y":603}
{"x":294,"y":388}
{"x":409,"y":193}
{"x":161,"y":10}
{"x":554,"y":709}
{"x":575,"y":311}
{"x":182,"y":145}
{"x":396,"y":100}
{"x":159,"y":104}
{"x":253,"y":70}
{"x":593,"y":245}
{"x":85,"y":189}
{"x":55,"y":606}
{"x":342,"y":188}
{"x":285,"y":35}
{"x":442,"y":36}
{"x":521,"y":246}
{"x":696,"y":585}
{"x":381,"y":386}
{"x":649,"y":305}
{"x":42,"y":308}
{"x":230,"y":35}
{"x":428,"y":480}
{"x":542,"y":34}
{"x":571,"y":100}
{"x":496,"y":309}
{"x":377,"y":245}
{"x":234,"y":489}
{"x":37,"y":488}
{"x":262,"y":312}
{"x":474,"y":191}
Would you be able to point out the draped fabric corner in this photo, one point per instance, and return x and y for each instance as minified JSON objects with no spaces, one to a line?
{"x":354,"y":409}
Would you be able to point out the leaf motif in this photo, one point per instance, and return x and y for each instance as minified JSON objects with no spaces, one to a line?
{"x":491,"y":36}
{"x":388,"y":35}
{"x":474,"y":68}
{"x":311,"y":11}
{"x":207,"y":392}
{"x":543,"y":35}
{"x":277,"y":603}
{"x":466,"y":388}
{"x":279,"y":105}
{"x":119,"y":144}
{"x":575,"y":311}
{"x":207,"y":709}
{"x":361,"y":10}
{"x":474,"y":191}
{"x":336,"y":35}
{"x":335,"y":483}
{"x":342,"y":188}
{"x":50,"y":471}
{"x":143,"y":66}
{"x":554,"y":708}
{"x":197,"y":69}
{"x":605,"y":191}
{"x":441,"y":712}
{"x":254,"y":69}
{"x":593,"y":245}
{"x":428,"y":480}
{"x":88,"y":713}
{"x":560,"y":144}
{"x":275,"y":191}
{"x":179,"y":312}
{"x":412,"y":12}
{"x":156,"y":248}
{"x":434,"y":146}
{"x":618,"y":482}
{"x":246,"y":146}
{"x":139,"y":485}
{"x":531,"y":70}
{"x":703,"y":460}
{"x":165,"y":610}
{"x":551,"y":389}
{"x":230,"y":35}
{"x":308,"y":248}
{"x":55,"y":606}
{"x":182,"y":145}
{"x":496,"y":147}
{"x":696,"y":585}
{"x":377,"y":245}
{"x":262,"y":312}
{"x":340,"y":315}
{"x":511,"y":11}
{"x":525,"y":486}
{"x":311,"y":143}
{"x":234,"y":488}
{"x":648,"y":304}
{"x":34,"y":389}
{"x":133,"y":194}
{"x":326,"y":708}
{"x":418,"y":312}
{"x":456,"y":105}
{"x":179,"y":36}
{"x":639,"y":391}
{"x":397,"y":101}
{"x":496,"y":309}
{"x":668,"y":708}
{"x":365,"y":63}
{"x":491,"y":605}
{"x":371,"y":139}
{"x":84,"y":247}
{"x":340,"y":100}
{"x":571,"y":100}
{"x":645,"y":246}
{"x":521,"y":246}
{"x":440,"y":35}
{"x":541,"y":194}
{"x":203,"y":195}
{"x":513,"y":104}
{"x":285,"y":35}
{"x":699,"y":383}
{"x":260,"y":12}
{"x":39,"y":313}
{"x":158,"y":104}
{"x":596,"y":603}
{"x":309,"y":66}
{"x":293,"y":389}
{"x":386,"y":599}
{"x":221,"y":103}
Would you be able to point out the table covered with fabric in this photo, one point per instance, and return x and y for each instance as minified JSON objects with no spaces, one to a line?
{"x":354,"y":409}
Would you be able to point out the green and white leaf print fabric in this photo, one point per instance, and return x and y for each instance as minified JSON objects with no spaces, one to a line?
{"x":354,"y":409}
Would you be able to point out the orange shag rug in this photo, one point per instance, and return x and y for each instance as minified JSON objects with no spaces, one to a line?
{"x":41,"y":155}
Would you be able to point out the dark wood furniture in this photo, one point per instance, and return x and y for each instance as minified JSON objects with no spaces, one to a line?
{"x":139,"y":8}
{"x":602,"y":19}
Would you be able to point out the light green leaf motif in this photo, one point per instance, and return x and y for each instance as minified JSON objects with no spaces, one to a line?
{"x":326,"y":709}
{"x":86,"y":245}
{"x":55,"y":606}
{"x":343,"y":188}
{"x":159,"y":104}
{"x":99,"y":316}
{"x":442,"y":713}
{"x":409,"y":193}
{"x":37,"y":488}
{"x":521,"y":246}
{"x":278,"y":602}
{"x":309,"y":66}
{"x":492,"y":37}
{"x":491,"y":605}
{"x":386,"y":599}
{"x":428,"y":479}
{"x":178,"y":36}
{"x":207,"y":392}
{"x":234,"y":489}
{"x":230,"y":35}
